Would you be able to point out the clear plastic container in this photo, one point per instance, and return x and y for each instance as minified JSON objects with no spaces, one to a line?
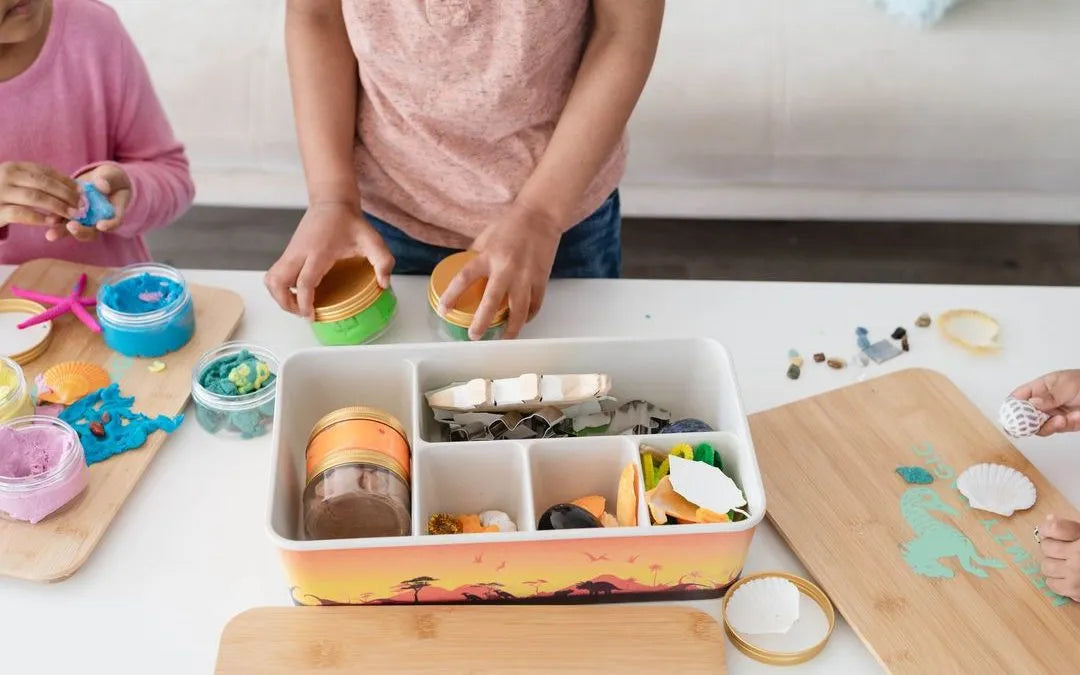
{"x":14,"y":392}
{"x":454,"y":326}
{"x":37,"y":483}
{"x":350,"y":306}
{"x":139,"y":328}
{"x":358,"y":467}
{"x":247,"y":415}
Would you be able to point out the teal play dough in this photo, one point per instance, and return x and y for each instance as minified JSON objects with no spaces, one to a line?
{"x":936,"y":539}
{"x":915,"y":475}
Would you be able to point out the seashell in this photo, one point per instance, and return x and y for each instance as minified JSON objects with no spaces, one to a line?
{"x":497,"y":519}
{"x":1020,"y":418}
{"x":69,"y":381}
{"x":996,"y":488}
{"x":766,"y":605}
{"x":971,"y":329}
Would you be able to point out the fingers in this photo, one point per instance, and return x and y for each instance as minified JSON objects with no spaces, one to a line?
{"x":313,"y":271}
{"x":538,"y":293}
{"x":46,"y":180}
{"x":520,"y":303}
{"x":1059,"y":424}
{"x":374,"y":249}
{"x":280,"y":279}
{"x":475,"y":270}
{"x":494,"y":295}
{"x":1060,"y":529}
{"x":42,"y":201}
{"x":1053,"y":568}
{"x":1067,"y":588}
{"x":80,"y":232}
{"x":12,"y":213}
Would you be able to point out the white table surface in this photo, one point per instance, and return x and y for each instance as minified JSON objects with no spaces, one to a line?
{"x":189,"y":549}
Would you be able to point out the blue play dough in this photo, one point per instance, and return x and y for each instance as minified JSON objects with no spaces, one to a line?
{"x":98,"y":206}
{"x":147,"y":340}
{"x":125,"y":430}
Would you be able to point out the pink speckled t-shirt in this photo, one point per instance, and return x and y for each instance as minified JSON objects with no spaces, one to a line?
{"x":459,"y":101}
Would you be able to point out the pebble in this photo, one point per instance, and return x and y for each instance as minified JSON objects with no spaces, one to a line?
{"x":861,"y":332}
{"x":923,"y":321}
{"x":792,"y":353}
{"x":862,"y":359}
{"x":904,"y":344}
{"x":863,"y":342}
{"x":836,"y":363}
{"x":106,"y":417}
{"x":797,"y":361}
{"x":899,"y":333}
{"x":793,"y":372}
{"x":819,"y":358}
{"x":97,"y":429}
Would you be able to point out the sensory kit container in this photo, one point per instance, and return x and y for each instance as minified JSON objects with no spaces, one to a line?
{"x":692,"y":378}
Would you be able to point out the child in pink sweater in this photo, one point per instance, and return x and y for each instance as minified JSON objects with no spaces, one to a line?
{"x":76,"y":104}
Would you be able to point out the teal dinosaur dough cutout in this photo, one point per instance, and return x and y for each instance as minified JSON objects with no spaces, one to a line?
{"x":915,"y":475}
{"x":935,"y":539}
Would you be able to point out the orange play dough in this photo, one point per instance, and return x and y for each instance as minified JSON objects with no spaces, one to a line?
{"x":594,"y":504}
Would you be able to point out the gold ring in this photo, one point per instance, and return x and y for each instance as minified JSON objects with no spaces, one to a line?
{"x":775,"y":658}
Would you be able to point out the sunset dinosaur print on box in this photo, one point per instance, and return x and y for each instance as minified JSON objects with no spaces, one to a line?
{"x":677,"y":566}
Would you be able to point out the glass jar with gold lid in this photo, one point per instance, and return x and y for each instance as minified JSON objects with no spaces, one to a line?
{"x":350,"y":306}
{"x":454,"y":326}
{"x":14,"y":391}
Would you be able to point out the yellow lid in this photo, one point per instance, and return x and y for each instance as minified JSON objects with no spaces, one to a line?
{"x":463,"y":311}
{"x":43,"y":332}
{"x":348,"y":288}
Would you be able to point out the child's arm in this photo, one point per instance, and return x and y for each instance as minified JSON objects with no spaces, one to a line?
{"x":516,"y":253}
{"x":325,"y":82}
{"x":147,"y":179}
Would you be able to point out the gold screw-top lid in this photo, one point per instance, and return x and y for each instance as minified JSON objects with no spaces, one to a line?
{"x":348,"y":288}
{"x":29,"y":308}
{"x":358,"y":456}
{"x":462,"y":313}
{"x":357,"y":412}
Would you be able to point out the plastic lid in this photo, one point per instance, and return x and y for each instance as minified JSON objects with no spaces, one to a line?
{"x":348,"y":288}
{"x":22,"y":345}
{"x":462,"y":313}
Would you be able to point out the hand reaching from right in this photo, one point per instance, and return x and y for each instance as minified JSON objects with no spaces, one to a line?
{"x":1057,"y":394}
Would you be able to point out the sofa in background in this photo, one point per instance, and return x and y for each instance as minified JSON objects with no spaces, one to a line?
{"x":828,"y":109}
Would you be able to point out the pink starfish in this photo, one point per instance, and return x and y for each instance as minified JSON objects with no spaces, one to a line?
{"x":74,"y":303}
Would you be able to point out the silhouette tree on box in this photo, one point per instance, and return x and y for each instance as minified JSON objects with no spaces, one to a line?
{"x":415,"y":585}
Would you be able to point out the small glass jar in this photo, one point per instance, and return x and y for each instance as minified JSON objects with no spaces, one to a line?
{"x":350,"y":306}
{"x":454,"y":326}
{"x":42,"y":471}
{"x":357,"y":476}
{"x":14,"y":392}
{"x":247,"y":415}
{"x":137,"y":325}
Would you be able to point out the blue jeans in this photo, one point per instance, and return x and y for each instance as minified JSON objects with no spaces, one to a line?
{"x":592,"y":249}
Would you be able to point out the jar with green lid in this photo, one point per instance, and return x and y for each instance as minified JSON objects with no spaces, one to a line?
{"x":14,"y":391}
{"x":350,"y":306}
{"x":454,"y":326}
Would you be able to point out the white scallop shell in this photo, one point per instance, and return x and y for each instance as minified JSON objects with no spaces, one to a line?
{"x":996,"y":488}
{"x":1019,"y":418}
{"x":766,"y":605}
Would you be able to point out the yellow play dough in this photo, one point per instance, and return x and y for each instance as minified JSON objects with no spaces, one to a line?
{"x":13,"y":403}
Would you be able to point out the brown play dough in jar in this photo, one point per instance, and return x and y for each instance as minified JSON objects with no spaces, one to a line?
{"x":365,"y":498}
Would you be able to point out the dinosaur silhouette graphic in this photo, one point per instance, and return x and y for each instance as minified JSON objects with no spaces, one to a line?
{"x":564,"y":593}
{"x":935,"y":539}
{"x":503,"y":595}
{"x":597,"y":587}
{"x":471,"y":598}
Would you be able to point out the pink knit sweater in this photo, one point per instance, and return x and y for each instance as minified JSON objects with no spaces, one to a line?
{"x":88,"y":99}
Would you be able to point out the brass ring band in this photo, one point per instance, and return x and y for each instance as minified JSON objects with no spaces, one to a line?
{"x":774,"y":658}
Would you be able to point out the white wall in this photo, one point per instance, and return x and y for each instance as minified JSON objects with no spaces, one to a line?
{"x":755,"y":106}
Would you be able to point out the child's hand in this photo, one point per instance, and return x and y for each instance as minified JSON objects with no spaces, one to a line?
{"x":1058,"y":395}
{"x":516,"y":255}
{"x":34,"y":194}
{"x":113,"y":182}
{"x":1061,"y":549}
{"x":327,"y":233}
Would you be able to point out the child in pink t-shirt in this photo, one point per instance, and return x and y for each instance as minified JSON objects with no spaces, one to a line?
{"x":1058,"y":395}
{"x":76,"y":104}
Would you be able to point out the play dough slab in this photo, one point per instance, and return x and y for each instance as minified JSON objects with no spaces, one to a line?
{"x":55,"y":548}
{"x":532,"y":639}
{"x":22,"y":345}
{"x":930,"y":584}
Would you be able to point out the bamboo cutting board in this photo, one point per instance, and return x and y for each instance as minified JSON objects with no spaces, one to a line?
{"x":928,"y":590}
{"x":55,"y":548}
{"x":470,"y":639}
